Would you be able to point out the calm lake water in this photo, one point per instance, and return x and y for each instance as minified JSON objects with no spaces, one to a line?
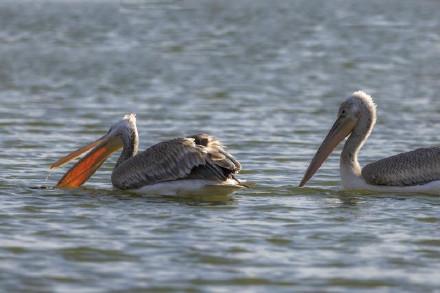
{"x":266,"y":77}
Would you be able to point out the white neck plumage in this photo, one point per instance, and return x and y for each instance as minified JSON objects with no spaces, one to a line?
{"x":349,"y":165}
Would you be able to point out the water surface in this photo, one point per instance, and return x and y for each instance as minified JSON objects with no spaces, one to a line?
{"x":266,"y":77}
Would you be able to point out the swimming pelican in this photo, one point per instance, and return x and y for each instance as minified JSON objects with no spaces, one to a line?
{"x":170,"y":167}
{"x":415,"y":171}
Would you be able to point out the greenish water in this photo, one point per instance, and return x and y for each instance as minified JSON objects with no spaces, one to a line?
{"x":266,"y":77}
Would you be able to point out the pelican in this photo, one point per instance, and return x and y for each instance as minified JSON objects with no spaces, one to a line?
{"x":415,"y":171}
{"x":170,"y":167}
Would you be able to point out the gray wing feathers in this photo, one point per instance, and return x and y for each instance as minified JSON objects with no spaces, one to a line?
{"x":412,"y":168}
{"x":217,"y":152}
{"x":197,"y":157}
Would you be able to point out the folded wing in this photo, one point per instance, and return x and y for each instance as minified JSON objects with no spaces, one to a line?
{"x":197,"y":157}
{"x":412,"y":168}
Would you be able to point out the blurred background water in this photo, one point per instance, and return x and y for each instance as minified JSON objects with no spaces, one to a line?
{"x":266,"y":77}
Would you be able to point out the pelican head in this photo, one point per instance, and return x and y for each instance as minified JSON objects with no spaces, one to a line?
{"x":356,"y":113}
{"x":121,"y":134}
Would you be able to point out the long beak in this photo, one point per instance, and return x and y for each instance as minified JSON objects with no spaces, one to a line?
{"x":87,"y":166}
{"x":341,"y":129}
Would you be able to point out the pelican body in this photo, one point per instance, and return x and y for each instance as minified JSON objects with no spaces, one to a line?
{"x":415,"y":171}
{"x":174,"y":166}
